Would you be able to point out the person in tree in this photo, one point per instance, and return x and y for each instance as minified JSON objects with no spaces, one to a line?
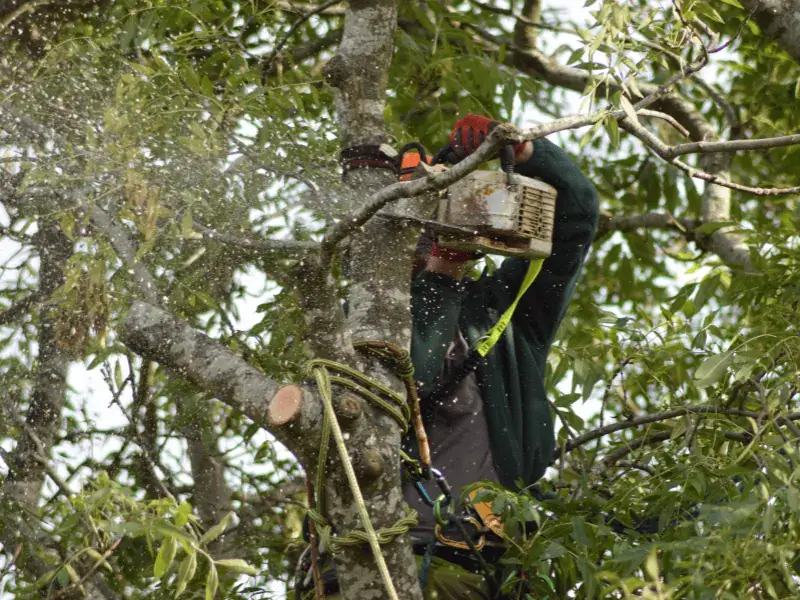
{"x":496,"y":424}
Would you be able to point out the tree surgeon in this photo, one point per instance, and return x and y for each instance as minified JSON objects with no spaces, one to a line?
{"x":489,"y":420}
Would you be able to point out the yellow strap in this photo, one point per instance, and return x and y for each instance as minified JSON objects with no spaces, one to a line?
{"x":495,"y":332}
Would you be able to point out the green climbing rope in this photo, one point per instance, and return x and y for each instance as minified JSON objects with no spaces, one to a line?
{"x":393,"y":404}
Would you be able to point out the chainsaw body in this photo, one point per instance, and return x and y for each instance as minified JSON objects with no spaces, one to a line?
{"x":507,"y":214}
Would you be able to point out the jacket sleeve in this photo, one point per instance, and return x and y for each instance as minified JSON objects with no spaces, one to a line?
{"x":435,"y":308}
{"x":541,"y":310}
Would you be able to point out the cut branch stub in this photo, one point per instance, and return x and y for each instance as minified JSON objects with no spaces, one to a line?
{"x":285,"y":405}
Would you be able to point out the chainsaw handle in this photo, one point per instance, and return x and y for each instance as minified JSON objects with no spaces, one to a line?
{"x":447,"y":155}
{"x":507,"y":158}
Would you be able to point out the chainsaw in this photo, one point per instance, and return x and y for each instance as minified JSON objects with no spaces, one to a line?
{"x":490,"y":212}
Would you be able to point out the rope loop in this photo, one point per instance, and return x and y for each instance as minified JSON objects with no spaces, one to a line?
{"x":403,"y":409}
{"x":336,"y":543}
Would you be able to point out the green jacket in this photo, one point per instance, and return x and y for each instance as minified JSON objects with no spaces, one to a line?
{"x":511,"y":377}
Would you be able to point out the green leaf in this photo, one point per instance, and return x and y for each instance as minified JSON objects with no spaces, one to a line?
{"x":168,"y":530}
{"x":651,"y":565}
{"x":237,"y":564}
{"x":187,"y":223}
{"x":734,"y":3}
{"x":118,"y":375}
{"x":712,"y":369}
{"x":579,"y":532}
{"x":165,"y":556}
{"x":217,"y":530}
{"x":630,"y":112}
{"x":212,"y":582}
{"x":73,"y":574}
{"x":128,"y":32}
{"x":554,"y":550}
{"x":185,"y":572}
{"x":612,"y":128}
{"x":706,"y":10}
{"x":68,"y":224}
{"x":183,"y":514}
{"x":99,"y":558}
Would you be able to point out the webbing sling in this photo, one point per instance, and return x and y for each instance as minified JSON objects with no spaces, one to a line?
{"x":491,"y":337}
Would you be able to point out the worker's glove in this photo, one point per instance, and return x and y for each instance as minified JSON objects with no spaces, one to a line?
{"x":468,"y":133}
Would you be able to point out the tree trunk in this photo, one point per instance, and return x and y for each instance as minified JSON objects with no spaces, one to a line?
{"x":380,"y":266}
{"x":779,"y":20}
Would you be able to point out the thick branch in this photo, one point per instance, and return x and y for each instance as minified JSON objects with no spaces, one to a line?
{"x":156,"y":335}
{"x":652,"y":220}
{"x":27,"y":473}
{"x":212,"y":496}
{"x":525,"y":29}
{"x":126,"y":250}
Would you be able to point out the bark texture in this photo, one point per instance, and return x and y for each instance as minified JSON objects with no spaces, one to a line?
{"x":156,"y":335}
{"x":779,"y":20}
{"x":27,"y":468}
{"x":212,"y":496}
{"x":380,"y":257}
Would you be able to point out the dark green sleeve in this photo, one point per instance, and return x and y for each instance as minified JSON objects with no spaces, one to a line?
{"x":543,"y":307}
{"x":435,"y":307}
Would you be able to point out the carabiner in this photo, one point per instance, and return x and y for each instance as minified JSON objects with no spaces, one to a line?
{"x":442,"y":509}
{"x":441,"y":481}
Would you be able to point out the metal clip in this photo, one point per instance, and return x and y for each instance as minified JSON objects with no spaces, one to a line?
{"x":458,"y":543}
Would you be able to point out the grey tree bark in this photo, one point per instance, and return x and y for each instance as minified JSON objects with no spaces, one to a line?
{"x":779,"y":20}
{"x":380,"y":257}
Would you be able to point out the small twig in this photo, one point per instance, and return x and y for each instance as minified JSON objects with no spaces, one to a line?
{"x":669,"y":153}
{"x":295,"y":26}
{"x":291,"y":247}
{"x":738,"y":31}
{"x":301,"y":7}
{"x":665,"y":117}
{"x":91,"y":571}
{"x":600,"y":432}
{"x":522,"y":19}
{"x":27,"y":7}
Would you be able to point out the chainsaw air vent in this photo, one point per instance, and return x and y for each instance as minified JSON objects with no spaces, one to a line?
{"x":512,"y":220}
{"x":536,"y":214}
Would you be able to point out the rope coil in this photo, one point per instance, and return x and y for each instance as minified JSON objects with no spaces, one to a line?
{"x":401,"y":409}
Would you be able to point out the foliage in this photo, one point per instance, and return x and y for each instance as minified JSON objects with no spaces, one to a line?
{"x":190,"y":116}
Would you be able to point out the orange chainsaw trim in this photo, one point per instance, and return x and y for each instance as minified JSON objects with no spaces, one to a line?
{"x":409,"y":163}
